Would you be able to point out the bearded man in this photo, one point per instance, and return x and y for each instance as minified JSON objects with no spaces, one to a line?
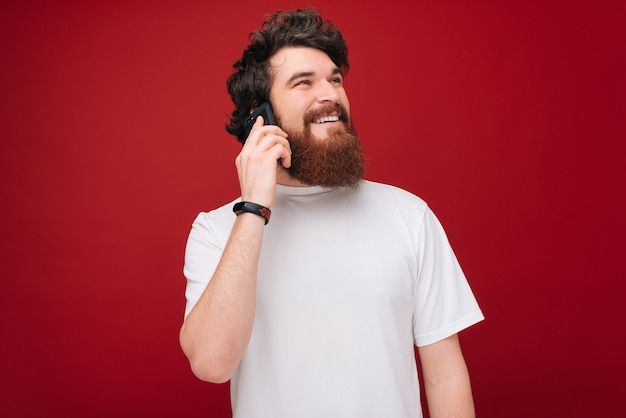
{"x":316,"y":313}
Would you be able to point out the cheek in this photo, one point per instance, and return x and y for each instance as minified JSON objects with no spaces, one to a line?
{"x":345,"y":102}
{"x":290,"y":116}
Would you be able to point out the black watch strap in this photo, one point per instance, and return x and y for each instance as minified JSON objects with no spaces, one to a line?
{"x":262,"y":211}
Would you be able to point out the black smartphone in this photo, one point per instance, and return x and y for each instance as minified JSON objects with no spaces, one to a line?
{"x":265,"y":110}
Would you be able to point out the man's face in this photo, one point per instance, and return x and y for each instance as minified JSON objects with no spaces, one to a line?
{"x":305,"y":82}
{"x":311,"y":105}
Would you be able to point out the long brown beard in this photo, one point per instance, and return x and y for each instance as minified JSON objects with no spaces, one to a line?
{"x":336,"y":161}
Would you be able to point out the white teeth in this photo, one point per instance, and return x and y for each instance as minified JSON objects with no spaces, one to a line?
{"x":327,"y":119}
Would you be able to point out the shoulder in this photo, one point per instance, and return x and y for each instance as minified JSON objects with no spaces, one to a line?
{"x":217,"y":222}
{"x":220,"y":214}
{"x":394,"y":195}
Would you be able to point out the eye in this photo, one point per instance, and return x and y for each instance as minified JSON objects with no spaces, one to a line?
{"x":303,"y":83}
{"x":337,"y":80}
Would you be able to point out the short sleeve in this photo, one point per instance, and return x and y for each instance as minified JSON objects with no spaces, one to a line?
{"x":444,"y":303}
{"x":202,"y":254}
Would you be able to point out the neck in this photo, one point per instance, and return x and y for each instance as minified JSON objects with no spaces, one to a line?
{"x":284,"y":179}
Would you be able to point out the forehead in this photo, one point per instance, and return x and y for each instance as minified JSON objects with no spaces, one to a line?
{"x":289,"y":61}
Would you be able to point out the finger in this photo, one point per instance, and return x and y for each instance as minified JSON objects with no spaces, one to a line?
{"x":253,"y":135}
{"x":285,"y":157}
{"x":260,"y":133}
{"x":283,"y":153}
{"x":270,"y":147}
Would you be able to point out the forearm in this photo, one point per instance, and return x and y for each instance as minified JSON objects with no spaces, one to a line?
{"x":217,"y":330}
{"x":452,"y":398}
{"x":446,"y":380}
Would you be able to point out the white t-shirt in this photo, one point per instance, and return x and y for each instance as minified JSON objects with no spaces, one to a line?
{"x":348,"y":282}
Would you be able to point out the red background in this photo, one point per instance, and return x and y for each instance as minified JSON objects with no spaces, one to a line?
{"x":507,"y":117}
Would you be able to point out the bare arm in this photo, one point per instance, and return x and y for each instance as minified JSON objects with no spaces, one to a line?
{"x":216,"y":332}
{"x":446,"y":379}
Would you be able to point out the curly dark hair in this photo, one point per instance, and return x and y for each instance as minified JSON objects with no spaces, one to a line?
{"x":250,"y":84}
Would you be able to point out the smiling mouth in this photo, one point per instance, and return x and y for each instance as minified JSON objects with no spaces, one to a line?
{"x":326,"y":119}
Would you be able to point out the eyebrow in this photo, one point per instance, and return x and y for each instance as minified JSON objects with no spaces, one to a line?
{"x":303,"y":74}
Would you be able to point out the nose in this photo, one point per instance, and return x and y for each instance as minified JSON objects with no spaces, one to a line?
{"x":327,"y":92}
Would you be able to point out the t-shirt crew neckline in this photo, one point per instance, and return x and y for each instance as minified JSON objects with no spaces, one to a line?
{"x":283,"y":190}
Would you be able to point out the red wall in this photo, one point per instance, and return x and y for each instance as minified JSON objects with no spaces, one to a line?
{"x":507,"y":117}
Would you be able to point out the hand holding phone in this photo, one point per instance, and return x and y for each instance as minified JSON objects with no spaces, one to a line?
{"x":265,"y":110}
{"x":255,"y":169}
